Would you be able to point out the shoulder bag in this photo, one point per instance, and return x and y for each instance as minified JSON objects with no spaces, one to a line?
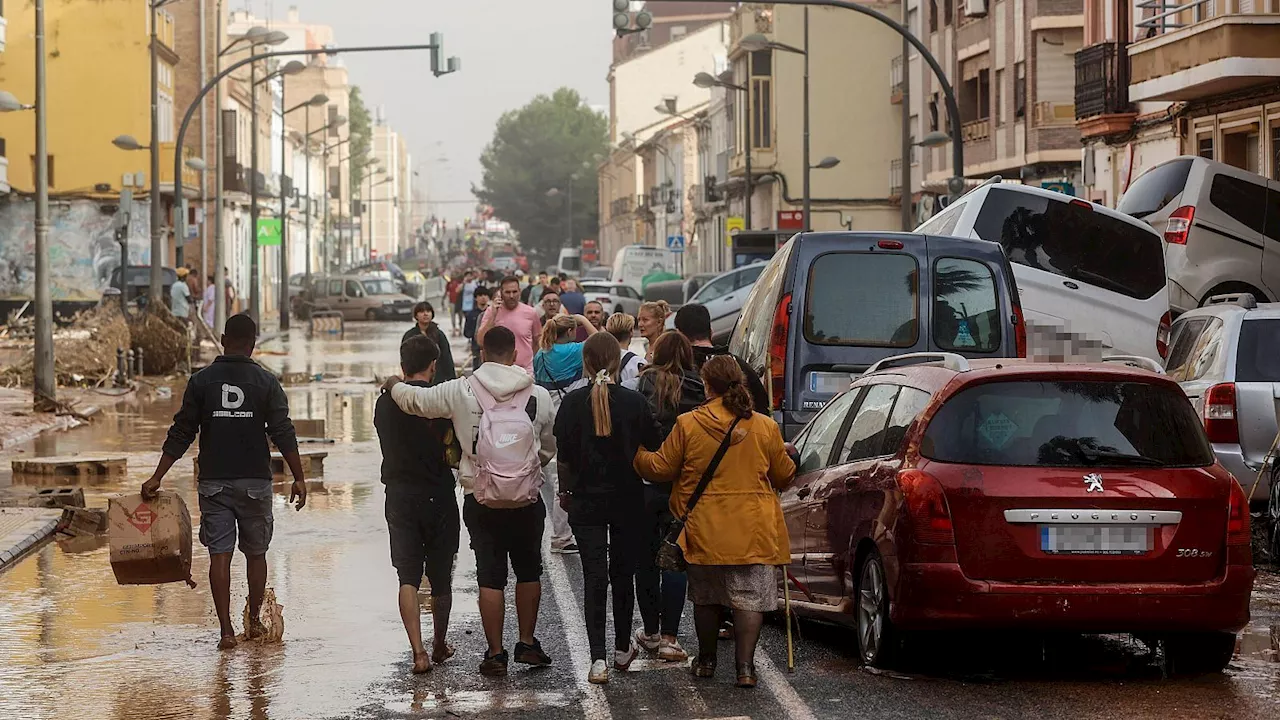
{"x":670,"y":556}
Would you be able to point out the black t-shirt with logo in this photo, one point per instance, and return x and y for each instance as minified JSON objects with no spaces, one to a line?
{"x":234,"y":405}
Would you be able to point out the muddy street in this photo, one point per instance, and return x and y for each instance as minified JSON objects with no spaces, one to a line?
{"x":74,"y":643}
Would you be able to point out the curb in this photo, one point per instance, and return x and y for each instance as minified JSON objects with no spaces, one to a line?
{"x":26,"y":535}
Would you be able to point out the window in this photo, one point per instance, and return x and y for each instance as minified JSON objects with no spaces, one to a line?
{"x":335,"y":288}
{"x":750,"y":340}
{"x":1258,"y":354}
{"x":866,"y":435}
{"x":1244,"y":201}
{"x":933,"y":16}
{"x":933,"y":113}
{"x":913,"y":24}
{"x":1204,"y":145}
{"x":1155,"y":189}
{"x":354,"y":290}
{"x":380,"y":287}
{"x":823,"y":431}
{"x":1068,"y":424}
{"x":748,"y":277}
{"x":948,"y":12}
{"x":678,"y":32}
{"x":975,"y":96}
{"x":998,"y":94}
{"x":909,"y":404}
{"x":1181,"y":340}
{"x":714,"y":290}
{"x":1275,"y":151}
{"x":1240,"y":149}
{"x":966,"y":308}
{"x":1075,"y":242}
{"x":1206,"y":353}
{"x":1020,"y":90}
{"x":944,"y":223}
{"x":882,"y":286}
{"x":762,"y":99}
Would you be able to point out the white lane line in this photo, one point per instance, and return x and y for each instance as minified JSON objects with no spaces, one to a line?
{"x":776,"y":683}
{"x":595,"y":706}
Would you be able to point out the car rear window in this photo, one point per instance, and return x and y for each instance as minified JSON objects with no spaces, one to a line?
{"x":862,"y":299}
{"x":1073,"y":241}
{"x":1244,"y":201}
{"x":1068,"y":424}
{"x":1258,"y":354}
{"x":966,"y":309}
{"x":1155,"y":189}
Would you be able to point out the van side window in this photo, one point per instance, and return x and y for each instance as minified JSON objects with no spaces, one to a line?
{"x":335,"y":288}
{"x":944,"y":223}
{"x":1244,"y":201}
{"x":1155,"y":189}
{"x":869,"y":428}
{"x":966,"y":309}
{"x":858,"y":298}
{"x":354,"y":290}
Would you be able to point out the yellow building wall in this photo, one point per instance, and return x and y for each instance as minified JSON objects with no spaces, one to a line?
{"x":98,"y":87}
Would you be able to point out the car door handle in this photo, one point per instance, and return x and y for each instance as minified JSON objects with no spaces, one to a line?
{"x":803,"y":492}
{"x":850,"y":480}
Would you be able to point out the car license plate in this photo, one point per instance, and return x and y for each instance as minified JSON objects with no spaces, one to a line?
{"x":1095,"y":540}
{"x":829,"y":383}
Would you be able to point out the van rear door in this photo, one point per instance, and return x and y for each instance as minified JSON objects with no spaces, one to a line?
{"x":972,"y":296}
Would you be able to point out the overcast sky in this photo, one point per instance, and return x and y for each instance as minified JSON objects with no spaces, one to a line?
{"x":511,"y":51}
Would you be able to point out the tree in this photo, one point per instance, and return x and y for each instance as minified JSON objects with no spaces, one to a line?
{"x":556,"y":143}
{"x":361,"y":138}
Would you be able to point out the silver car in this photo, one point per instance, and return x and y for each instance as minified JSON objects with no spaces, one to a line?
{"x":1226,"y":356}
{"x":616,"y":297}
{"x":724,"y":297}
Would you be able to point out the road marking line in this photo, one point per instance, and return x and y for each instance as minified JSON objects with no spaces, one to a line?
{"x":776,"y":683}
{"x":595,"y":706}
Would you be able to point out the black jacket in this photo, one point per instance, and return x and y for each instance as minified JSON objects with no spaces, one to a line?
{"x":759,"y":397}
{"x":234,"y":405}
{"x":445,"y":369}
{"x":600,"y":469}
{"x":692,"y":394}
{"x":413,"y":449}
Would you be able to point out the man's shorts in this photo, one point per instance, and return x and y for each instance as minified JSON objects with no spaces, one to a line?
{"x":424,"y":539}
{"x":499,"y":535}
{"x":230,"y":505}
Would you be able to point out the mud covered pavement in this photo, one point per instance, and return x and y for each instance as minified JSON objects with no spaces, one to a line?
{"x":75,"y":644}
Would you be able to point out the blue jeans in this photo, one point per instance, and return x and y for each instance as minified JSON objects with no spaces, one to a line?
{"x":661,"y":594}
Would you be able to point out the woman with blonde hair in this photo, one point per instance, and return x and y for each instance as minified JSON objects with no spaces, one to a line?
{"x":622,"y":326}
{"x":557,"y":366}
{"x":652,"y":321}
{"x":734,"y":535}
{"x":598,"y":431}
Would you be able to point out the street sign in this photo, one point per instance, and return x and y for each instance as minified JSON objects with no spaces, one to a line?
{"x":790,"y":220}
{"x":268,"y":231}
{"x":675,"y":243}
{"x":731,"y":226}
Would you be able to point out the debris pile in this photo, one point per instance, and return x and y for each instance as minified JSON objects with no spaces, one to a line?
{"x":162,"y":339}
{"x":84,"y":354}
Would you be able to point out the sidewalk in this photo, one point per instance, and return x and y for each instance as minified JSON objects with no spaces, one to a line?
{"x":23,"y":528}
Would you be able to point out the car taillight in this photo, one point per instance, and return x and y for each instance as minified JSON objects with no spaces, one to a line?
{"x":927,"y":505}
{"x":1238,"y":532}
{"x":778,"y":350}
{"x":1179,"y":225}
{"x":1220,"y":414}
{"x":1162,"y":334}
{"x":1019,"y":331}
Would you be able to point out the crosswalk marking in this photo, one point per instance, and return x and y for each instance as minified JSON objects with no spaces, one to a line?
{"x":595,"y":706}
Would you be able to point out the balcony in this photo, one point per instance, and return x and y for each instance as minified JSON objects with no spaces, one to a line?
{"x":1201,"y":48}
{"x":1102,"y":90}
{"x":1052,"y":113}
{"x":190,"y":178}
{"x":976,"y":130}
{"x":895,"y":81}
{"x":233,"y":178}
{"x":622,"y":206}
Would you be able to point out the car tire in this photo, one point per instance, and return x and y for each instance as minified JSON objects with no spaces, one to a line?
{"x":1231,"y":288}
{"x":878,"y":640}
{"x":1197,"y":653}
{"x":370,"y":314}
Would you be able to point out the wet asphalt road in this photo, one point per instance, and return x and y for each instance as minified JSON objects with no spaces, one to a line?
{"x":75,"y":644}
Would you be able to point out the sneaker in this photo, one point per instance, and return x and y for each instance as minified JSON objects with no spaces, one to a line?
{"x":532,"y":654}
{"x":648,"y":642}
{"x":570,"y":549}
{"x":599,"y":674}
{"x":670,"y":651}
{"x":622,"y":659}
{"x":494,"y":664}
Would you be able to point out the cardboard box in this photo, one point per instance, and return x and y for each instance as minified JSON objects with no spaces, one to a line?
{"x":150,"y":541}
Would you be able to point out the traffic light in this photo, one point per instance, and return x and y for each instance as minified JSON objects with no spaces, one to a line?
{"x":624,"y":23}
{"x":439,"y":64}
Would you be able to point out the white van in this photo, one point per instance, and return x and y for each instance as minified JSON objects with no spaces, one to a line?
{"x":570,"y":261}
{"x":1092,"y":280}
{"x":634,"y":262}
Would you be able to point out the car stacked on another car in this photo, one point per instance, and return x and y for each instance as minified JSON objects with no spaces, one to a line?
{"x":943,"y":493}
{"x":724,"y":295}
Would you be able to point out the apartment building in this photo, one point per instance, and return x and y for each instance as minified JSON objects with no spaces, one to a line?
{"x":4,"y":160}
{"x":388,"y":232}
{"x":1161,"y":79}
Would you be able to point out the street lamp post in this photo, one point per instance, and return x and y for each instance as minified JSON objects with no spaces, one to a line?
{"x":307,"y":208}
{"x":328,"y":251}
{"x":315,"y":101}
{"x":157,"y":217}
{"x":706,"y":81}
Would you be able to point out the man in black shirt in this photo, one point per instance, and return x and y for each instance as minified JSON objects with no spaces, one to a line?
{"x":694,"y":322}
{"x":421,"y":509}
{"x":234,"y":405}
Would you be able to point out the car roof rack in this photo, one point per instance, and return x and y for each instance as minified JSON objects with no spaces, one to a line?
{"x":950,"y":361}
{"x":1244,"y":300}
{"x":1137,"y":361}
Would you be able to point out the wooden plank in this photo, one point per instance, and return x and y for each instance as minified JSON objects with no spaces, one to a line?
{"x":308,"y":427}
{"x":72,"y":466}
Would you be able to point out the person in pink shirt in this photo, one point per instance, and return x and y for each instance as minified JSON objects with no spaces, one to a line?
{"x":517,"y":317}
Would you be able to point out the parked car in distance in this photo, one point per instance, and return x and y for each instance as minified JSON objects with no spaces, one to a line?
{"x":361,"y":297}
{"x":1226,"y":357}
{"x":599,"y":272}
{"x":139,"y":281}
{"x":616,"y":297}
{"x":1221,"y":228}
{"x":942,"y":493}
{"x":1092,"y":279}
{"x":723,"y":297}
{"x":569,"y":261}
{"x":828,"y":305}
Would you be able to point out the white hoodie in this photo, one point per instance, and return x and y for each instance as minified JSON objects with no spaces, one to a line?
{"x":455,"y":400}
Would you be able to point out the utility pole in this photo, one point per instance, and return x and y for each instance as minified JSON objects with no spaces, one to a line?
{"x":908,"y":219}
{"x":155,"y":296}
{"x":284,"y":209}
{"x":255,"y":297}
{"x":219,"y":243}
{"x":45,"y":376}
{"x":808,"y":162}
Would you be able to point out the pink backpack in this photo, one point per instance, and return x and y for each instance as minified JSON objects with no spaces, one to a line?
{"x":508,"y":469}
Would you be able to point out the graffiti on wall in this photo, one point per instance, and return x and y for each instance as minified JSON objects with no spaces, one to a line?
{"x":83,"y":250}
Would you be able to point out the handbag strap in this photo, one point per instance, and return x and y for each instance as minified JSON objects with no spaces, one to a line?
{"x":710,"y":471}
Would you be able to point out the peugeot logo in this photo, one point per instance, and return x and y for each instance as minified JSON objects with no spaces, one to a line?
{"x":1093,"y":482}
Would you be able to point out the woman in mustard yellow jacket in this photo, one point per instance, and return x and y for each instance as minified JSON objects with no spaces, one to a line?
{"x":736,"y":535}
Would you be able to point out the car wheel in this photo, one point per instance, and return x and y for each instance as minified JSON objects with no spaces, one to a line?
{"x":1198,"y":653}
{"x":877,"y":638}
{"x":370,"y":314}
{"x":1232,"y":288}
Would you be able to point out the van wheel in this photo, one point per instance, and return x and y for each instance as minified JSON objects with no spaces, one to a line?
{"x":877,"y":638}
{"x":370,"y":314}
{"x":1198,"y":653}
{"x":1232,"y":288}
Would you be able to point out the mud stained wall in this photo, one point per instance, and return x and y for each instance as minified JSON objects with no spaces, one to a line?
{"x":82,"y":247}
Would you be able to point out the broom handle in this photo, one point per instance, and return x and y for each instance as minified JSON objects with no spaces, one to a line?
{"x":786,"y":587}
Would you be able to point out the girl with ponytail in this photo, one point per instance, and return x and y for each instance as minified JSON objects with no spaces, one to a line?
{"x":599,"y":429}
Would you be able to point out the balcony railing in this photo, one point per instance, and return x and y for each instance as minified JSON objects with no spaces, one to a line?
{"x":895,"y":80}
{"x":976,"y":130}
{"x":895,"y":176}
{"x":622,"y":206}
{"x":1156,"y":17}
{"x":1102,"y":81}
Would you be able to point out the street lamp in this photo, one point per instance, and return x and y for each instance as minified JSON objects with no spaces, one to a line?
{"x":706,"y":81}
{"x":827,"y":163}
{"x":306,"y":210}
{"x":366,"y":204}
{"x":316,"y":100}
{"x":157,"y":217}
{"x":934,"y":139}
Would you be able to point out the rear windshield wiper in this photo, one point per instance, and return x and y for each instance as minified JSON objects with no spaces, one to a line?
{"x":1094,"y":456}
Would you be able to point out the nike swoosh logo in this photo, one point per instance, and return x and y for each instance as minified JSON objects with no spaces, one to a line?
{"x":500,"y":444}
